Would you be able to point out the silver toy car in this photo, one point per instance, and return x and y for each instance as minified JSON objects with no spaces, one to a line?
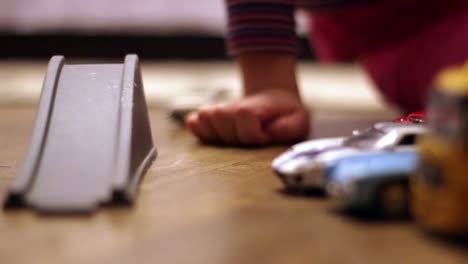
{"x":305,"y":165}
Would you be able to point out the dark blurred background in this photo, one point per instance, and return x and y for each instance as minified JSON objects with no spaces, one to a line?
{"x":154,"y":29}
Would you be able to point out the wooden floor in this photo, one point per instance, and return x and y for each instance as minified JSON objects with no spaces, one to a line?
{"x":201,"y":204}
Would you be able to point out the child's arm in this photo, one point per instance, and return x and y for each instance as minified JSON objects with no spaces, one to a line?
{"x":270,"y":112}
{"x":263,"y":40}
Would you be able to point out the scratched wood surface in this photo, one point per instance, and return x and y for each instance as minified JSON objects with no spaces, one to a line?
{"x":201,"y":204}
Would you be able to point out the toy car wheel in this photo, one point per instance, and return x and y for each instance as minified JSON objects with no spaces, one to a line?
{"x":393,"y":200}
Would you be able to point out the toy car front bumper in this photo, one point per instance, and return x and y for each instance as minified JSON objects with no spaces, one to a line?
{"x":312,"y":179}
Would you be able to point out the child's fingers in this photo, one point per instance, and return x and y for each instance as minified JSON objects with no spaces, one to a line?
{"x":248,"y":128}
{"x":290,"y":127}
{"x":194,"y":125}
{"x":256,"y":120}
{"x":224,"y":123}
{"x":205,"y":117}
{"x":198,"y":128}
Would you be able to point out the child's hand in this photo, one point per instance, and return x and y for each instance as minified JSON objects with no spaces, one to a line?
{"x":271,"y":116}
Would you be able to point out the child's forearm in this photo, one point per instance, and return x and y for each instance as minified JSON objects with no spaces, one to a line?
{"x":263,"y":71}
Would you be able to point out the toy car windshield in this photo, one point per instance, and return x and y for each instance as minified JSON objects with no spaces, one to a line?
{"x":364,"y":140}
{"x":368,"y":139}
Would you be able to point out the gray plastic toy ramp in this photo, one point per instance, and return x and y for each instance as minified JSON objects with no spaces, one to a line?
{"x":91,"y":142}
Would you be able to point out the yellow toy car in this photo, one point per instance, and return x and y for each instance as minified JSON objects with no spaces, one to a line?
{"x":439,"y":188}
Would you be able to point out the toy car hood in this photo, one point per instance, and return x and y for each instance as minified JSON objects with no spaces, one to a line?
{"x":311,"y":147}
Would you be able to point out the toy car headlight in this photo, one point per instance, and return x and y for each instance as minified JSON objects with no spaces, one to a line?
{"x":292,"y":166}
{"x":341,"y":190}
{"x":311,"y":166}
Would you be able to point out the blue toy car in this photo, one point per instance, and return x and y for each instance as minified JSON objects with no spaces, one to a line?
{"x":375,"y":182}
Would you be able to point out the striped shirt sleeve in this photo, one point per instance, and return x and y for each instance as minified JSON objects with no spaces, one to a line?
{"x":261,"y":25}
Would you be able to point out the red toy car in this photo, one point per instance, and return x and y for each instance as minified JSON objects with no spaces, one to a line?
{"x":418,"y":117}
